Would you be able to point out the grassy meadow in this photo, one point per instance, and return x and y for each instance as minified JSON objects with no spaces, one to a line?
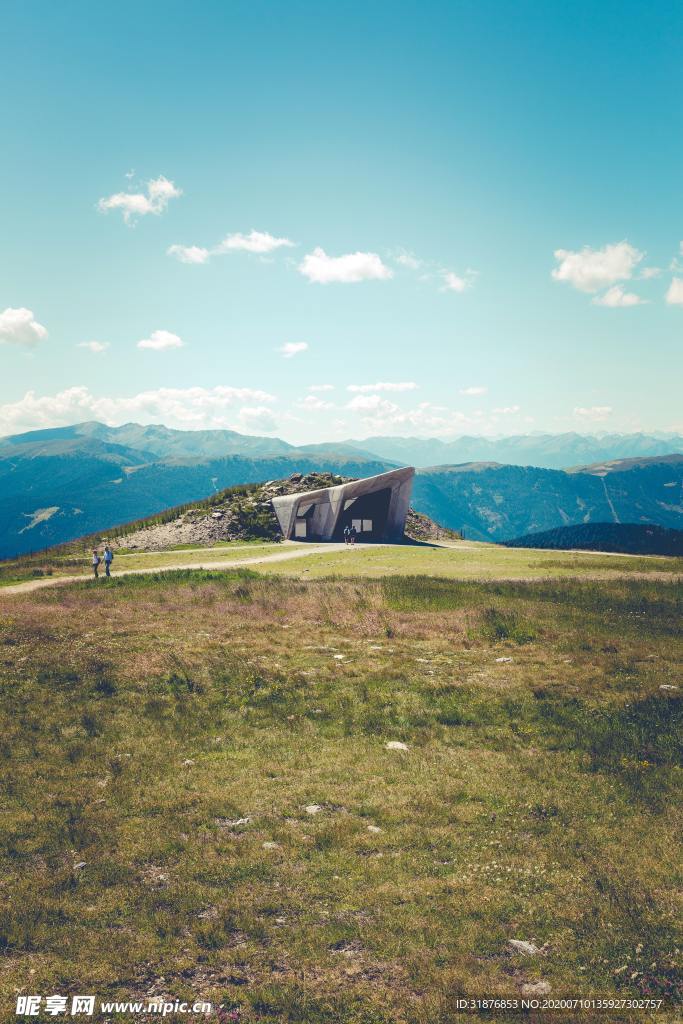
{"x":198,"y":799}
{"x":71,"y":562}
{"x":458,"y":560}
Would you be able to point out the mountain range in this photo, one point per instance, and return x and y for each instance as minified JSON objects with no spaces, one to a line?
{"x":545,"y":451}
{"x":64,"y":482}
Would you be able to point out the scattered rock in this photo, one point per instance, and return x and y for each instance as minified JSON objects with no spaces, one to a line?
{"x":503,"y":660}
{"x":81,"y":864}
{"x":667,"y":686}
{"x":313,"y":809}
{"x":339,"y":657}
{"x":188,"y":761}
{"x":210,"y":914}
{"x":374,"y":828}
{"x":526,"y":948}
{"x":395,"y":745}
{"x":231,"y":822}
{"x":271,"y":846}
{"x":537,"y":988}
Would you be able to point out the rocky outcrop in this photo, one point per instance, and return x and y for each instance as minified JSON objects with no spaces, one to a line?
{"x":245,"y":513}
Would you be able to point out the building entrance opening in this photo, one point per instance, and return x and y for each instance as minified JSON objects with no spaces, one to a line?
{"x":304,"y":522}
{"x":368,"y":513}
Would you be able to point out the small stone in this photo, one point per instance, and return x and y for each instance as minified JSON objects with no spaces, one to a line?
{"x":503,"y":660}
{"x":339,"y":657}
{"x":81,"y":864}
{"x":521,"y":946}
{"x":188,"y":761}
{"x":271,"y":846}
{"x":313,"y":809}
{"x":537,"y":988}
{"x":395,"y":745}
{"x":667,"y":686}
{"x":374,"y":828}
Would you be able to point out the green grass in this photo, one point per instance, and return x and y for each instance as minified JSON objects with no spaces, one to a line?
{"x":537,"y":800}
{"x":21,"y":571}
{"x":469,"y":561}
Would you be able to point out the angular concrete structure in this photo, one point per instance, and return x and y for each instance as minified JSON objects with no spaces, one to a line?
{"x":377,"y":506}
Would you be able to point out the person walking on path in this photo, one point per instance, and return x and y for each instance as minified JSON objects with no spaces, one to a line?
{"x":347,"y":534}
{"x":95,"y":563}
{"x":108,"y":559}
{"x":353,"y":533}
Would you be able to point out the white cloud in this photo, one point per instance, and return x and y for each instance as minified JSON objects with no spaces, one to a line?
{"x":407,"y":385}
{"x":292,"y":348}
{"x":320,"y":268}
{"x":314,"y":404}
{"x":260,"y":242}
{"x":321,"y":387}
{"x":674,"y":296}
{"x":406,"y":259}
{"x":160,"y":340}
{"x":507,"y":410}
{"x":138,"y":204}
{"x":187,"y":408}
{"x":648,"y":272}
{"x":592,"y":269}
{"x":189,"y":253}
{"x":595,"y":413}
{"x":19,"y":327}
{"x":94,"y":346}
{"x":258,"y":417}
{"x":374,"y":404}
{"x":474,"y":390}
{"x":616,"y":296}
{"x":379,"y":415}
{"x":455,"y":283}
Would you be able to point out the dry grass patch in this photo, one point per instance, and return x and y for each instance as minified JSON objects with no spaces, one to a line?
{"x":174,"y":733}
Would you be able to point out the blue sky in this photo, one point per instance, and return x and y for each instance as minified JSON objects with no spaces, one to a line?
{"x":483,"y":201}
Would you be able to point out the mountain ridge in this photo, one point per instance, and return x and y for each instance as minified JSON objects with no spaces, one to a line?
{"x":543,"y":450}
{"x":65,"y":482}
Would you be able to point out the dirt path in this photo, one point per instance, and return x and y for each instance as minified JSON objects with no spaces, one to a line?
{"x":225,"y":563}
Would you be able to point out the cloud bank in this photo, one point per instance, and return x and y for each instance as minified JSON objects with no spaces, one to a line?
{"x":221,"y":407}
{"x":589,"y":270}
{"x":20,"y":327}
{"x":138,"y":204}
{"x":160,"y":340}
{"x":320,"y":268}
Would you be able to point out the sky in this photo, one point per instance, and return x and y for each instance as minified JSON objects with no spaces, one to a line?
{"x":335,"y":220}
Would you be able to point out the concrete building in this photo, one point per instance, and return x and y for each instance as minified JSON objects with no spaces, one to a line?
{"x":376,"y":506}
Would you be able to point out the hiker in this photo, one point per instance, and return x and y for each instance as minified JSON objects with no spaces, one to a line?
{"x":352,"y":534}
{"x":108,"y":559}
{"x":347,"y":534}
{"x":95,"y":563}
